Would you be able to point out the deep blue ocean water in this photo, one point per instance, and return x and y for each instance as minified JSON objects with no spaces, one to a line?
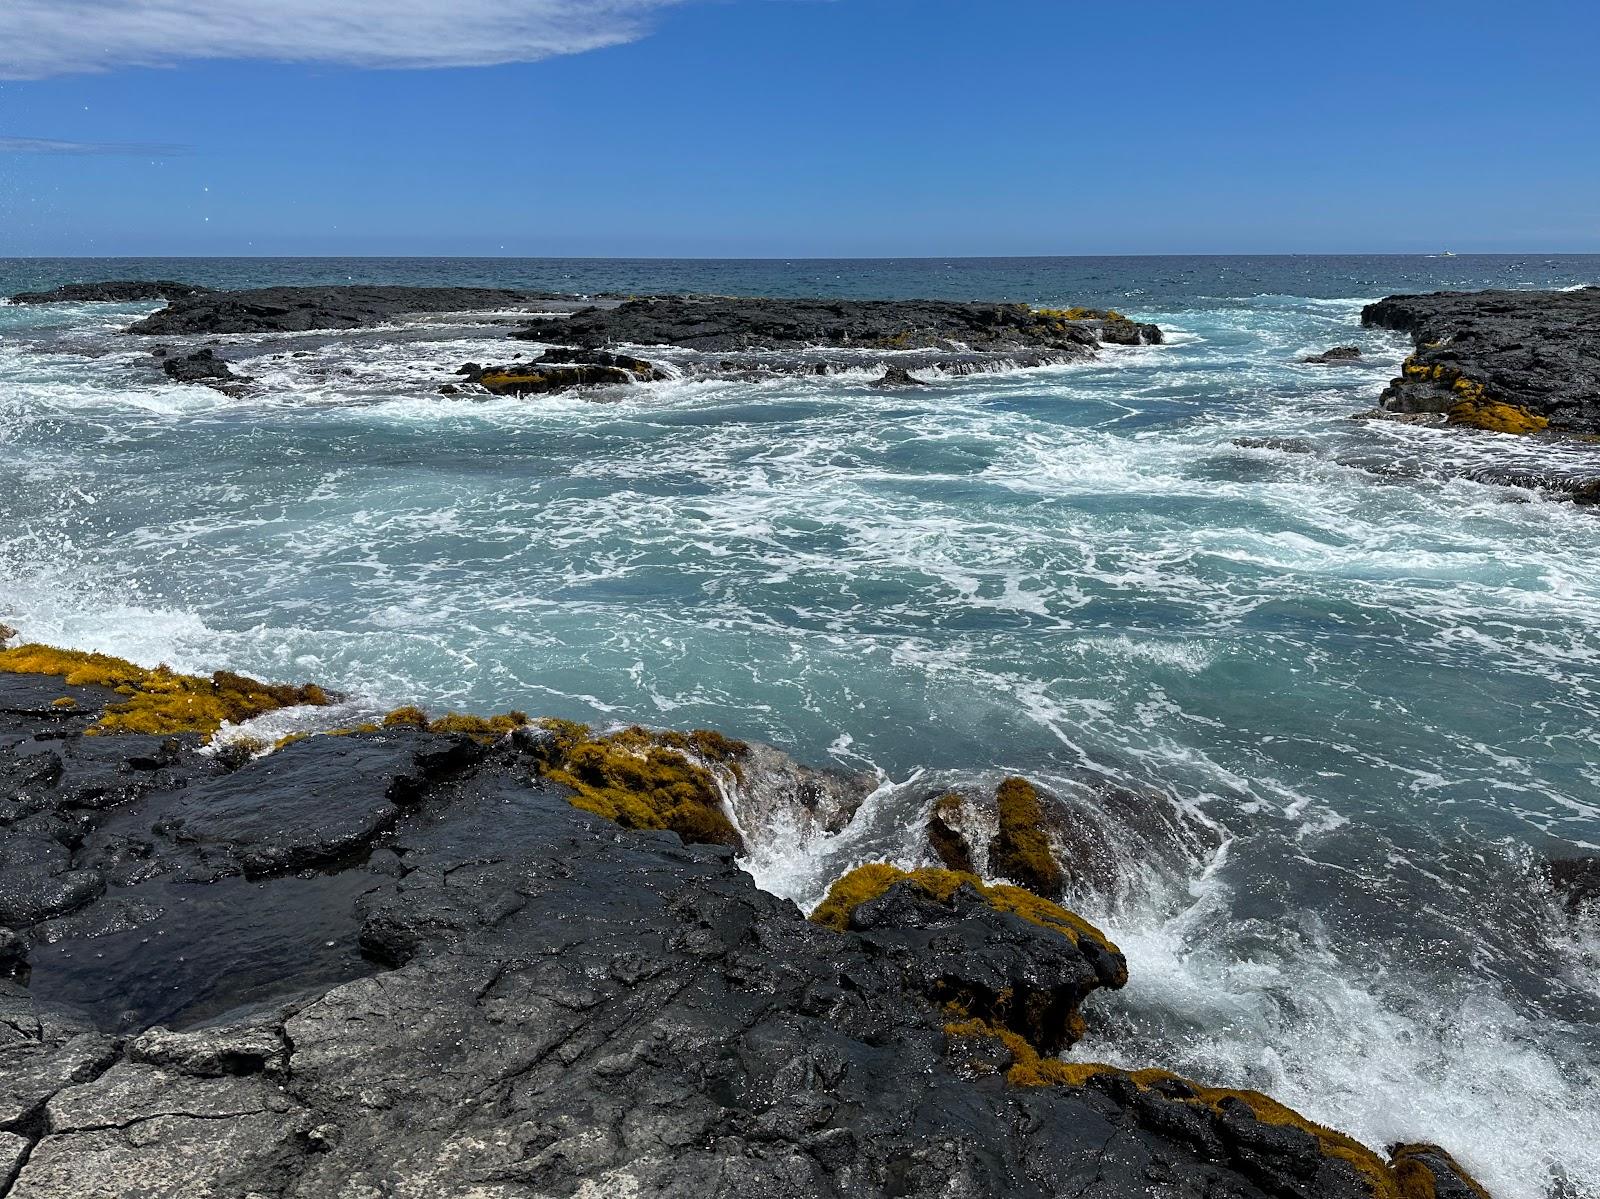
{"x":1374,"y":680}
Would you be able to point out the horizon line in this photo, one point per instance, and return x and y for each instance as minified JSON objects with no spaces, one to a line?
{"x":817,"y":257}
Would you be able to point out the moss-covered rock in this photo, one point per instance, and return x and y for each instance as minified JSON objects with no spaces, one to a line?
{"x":1021,"y":850}
{"x":980,"y":951}
{"x":157,"y":699}
{"x":868,"y":882}
{"x":1477,"y":413}
{"x":649,"y":780}
{"x":1424,"y":1171}
{"x":1411,"y":1172}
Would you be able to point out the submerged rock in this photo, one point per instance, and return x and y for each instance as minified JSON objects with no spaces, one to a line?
{"x":1577,"y":881}
{"x":898,"y":376}
{"x":1091,"y":840}
{"x":116,"y":292}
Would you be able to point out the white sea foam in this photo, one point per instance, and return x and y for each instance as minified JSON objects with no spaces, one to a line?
{"x":1389,"y":1054}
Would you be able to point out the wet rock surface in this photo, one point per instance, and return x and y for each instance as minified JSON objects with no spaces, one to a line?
{"x":1535,"y":352}
{"x":202,"y":366}
{"x":1335,"y":356}
{"x":400,"y":962}
{"x":559,"y":370}
{"x":302,"y":309}
{"x":1577,"y":882}
{"x":112,"y":292}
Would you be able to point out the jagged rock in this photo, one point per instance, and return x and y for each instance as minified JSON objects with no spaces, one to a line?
{"x":452,"y":980}
{"x":561,"y":370}
{"x":1339,"y":354}
{"x":203,"y":366}
{"x":1123,"y":332}
{"x":898,"y":376}
{"x":117,"y":292}
{"x":1427,"y":1170}
{"x":1577,"y":881}
{"x":301,"y":309}
{"x":1511,"y":361}
{"x":989,"y":953}
{"x":947,"y":833}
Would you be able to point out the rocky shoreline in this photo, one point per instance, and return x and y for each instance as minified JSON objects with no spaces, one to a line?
{"x":513,"y":958}
{"x":1517,"y":362}
{"x":710,"y":337}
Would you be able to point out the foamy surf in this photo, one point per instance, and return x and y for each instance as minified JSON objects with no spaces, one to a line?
{"x":1356,"y":667}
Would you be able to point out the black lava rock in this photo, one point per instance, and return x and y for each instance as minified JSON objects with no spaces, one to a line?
{"x":1335,"y":356}
{"x":203,"y":366}
{"x":122,"y":292}
{"x":301,"y":309}
{"x":721,"y":324}
{"x":401,"y":962}
{"x":1535,"y":351}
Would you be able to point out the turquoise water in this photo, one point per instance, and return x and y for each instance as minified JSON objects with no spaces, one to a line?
{"x":1374,"y":681}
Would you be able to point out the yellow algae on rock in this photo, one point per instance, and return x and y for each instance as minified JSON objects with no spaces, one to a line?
{"x":647,"y":780}
{"x":157,"y":699}
{"x":1026,"y":1067}
{"x":872,"y":880}
{"x":1477,"y":413}
{"x":1021,"y":850}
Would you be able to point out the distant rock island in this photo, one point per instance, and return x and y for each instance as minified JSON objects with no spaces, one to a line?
{"x":119,"y":292}
{"x":721,"y":337}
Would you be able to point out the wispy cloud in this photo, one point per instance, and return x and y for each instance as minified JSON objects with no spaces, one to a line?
{"x":51,"y":145}
{"x":40,"y":38}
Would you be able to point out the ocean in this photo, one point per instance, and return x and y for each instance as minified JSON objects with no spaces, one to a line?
{"x":1370,"y":681}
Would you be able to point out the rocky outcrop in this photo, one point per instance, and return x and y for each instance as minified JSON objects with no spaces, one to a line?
{"x":1577,"y":882}
{"x":1503,"y":361}
{"x":202,"y":366}
{"x":561,"y":370}
{"x":303,"y":309}
{"x":1054,"y":845}
{"x":116,"y":292}
{"x":718,"y":324}
{"x":508,"y":959}
{"x":1334,"y":357}
{"x":898,"y":377}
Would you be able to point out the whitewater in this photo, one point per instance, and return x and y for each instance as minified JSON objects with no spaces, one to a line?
{"x":1367,"y":683}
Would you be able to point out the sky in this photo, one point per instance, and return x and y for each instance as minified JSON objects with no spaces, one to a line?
{"x":787,"y":128}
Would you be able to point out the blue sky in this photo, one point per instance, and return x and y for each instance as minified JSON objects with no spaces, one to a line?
{"x":795,"y":127}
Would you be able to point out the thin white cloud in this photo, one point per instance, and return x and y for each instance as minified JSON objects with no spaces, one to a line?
{"x":51,"y":145}
{"x":40,"y":38}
